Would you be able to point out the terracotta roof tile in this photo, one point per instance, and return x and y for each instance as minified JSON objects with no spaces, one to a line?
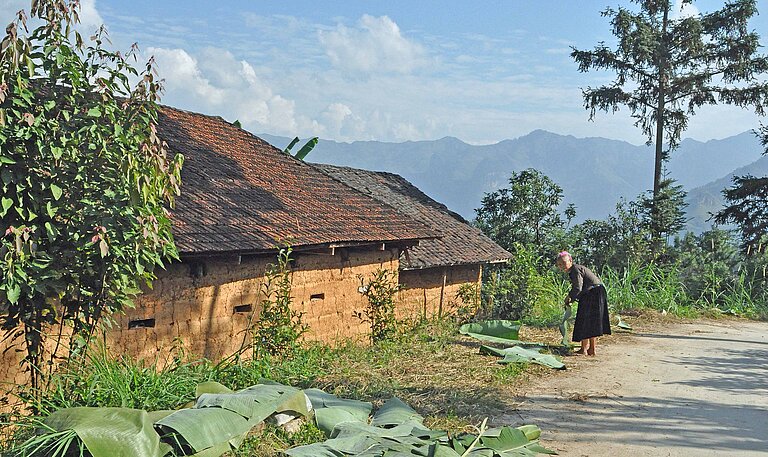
{"x":461,"y":244}
{"x":240,"y":194}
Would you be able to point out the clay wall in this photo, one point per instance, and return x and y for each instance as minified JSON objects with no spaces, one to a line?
{"x":423,"y":289}
{"x":205,"y":306}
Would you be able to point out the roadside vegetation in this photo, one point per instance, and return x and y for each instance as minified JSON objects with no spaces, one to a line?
{"x":722,"y":271}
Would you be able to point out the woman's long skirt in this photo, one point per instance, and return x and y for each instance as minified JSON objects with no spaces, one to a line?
{"x":592,"y":315}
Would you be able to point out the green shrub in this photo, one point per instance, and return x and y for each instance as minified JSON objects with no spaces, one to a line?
{"x":274,"y":327}
{"x":380,"y":291}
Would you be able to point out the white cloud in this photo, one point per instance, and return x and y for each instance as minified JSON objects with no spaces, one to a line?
{"x":182,"y":73}
{"x":90,"y":19}
{"x":682,"y":9}
{"x":216,"y":82}
{"x":334,"y":118}
{"x":374,"y":46}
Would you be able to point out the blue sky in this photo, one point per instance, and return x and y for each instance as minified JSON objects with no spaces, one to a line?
{"x":390,"y":71}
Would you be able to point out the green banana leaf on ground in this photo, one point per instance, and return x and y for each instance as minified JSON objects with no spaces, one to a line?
{"x":397,"y":430}
{"x":499,"y":331}
{"x":623,"y":325}
{"x":220,"y":419}
{"x":331,"y":410}
{"x":107,"y":432}
{"x":217,"y":422}
{"x":496,"y":331}
{"x":506,"y":332}
{"x":517,"y":354}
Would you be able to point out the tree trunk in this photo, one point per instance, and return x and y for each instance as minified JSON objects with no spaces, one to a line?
{"x":659,"y":153}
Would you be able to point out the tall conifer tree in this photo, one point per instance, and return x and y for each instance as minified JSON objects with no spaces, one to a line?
{"x":668,"y":66}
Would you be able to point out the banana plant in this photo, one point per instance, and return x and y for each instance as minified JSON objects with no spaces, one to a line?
{"x":305,"y":150}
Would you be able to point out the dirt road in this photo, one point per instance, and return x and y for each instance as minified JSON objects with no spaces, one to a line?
{"x":696,"y":389}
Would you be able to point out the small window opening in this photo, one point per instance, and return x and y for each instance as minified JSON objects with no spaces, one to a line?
{"x":316,"y":297}
{"x":198,"y":269}
{"x":141,"y":323}
{"x":243,"y":309}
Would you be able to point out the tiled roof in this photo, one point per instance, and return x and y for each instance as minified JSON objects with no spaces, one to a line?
{"x":460,"y":244}
{"x":240,"y":194}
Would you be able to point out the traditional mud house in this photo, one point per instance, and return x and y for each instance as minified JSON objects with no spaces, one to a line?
{"x":432,"y":272}
{"x":241,"y":198}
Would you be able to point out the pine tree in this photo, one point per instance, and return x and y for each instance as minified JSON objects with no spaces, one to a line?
{"x":748,"y":205}
{"x":667,"y":67}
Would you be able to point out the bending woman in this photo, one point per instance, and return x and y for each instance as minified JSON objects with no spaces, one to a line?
{"x":592,"y":315}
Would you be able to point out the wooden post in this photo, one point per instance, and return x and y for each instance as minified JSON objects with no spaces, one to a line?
{"x":442,"y":293}
{"x":479,"y":296}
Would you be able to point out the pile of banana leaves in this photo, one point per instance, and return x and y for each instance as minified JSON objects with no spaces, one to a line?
{"x":217,"y":422}
{"x":396,"y":430}
{"x":506,"y":332}
{"x":220,"y":419}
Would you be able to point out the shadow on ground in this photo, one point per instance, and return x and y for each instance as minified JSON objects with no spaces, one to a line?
{"x":644,"y":421}
{"x":705,"y":394}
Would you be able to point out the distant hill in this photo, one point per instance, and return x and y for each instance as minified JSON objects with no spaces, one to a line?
{"x":708,"y":199}
{"x":593,"y":172}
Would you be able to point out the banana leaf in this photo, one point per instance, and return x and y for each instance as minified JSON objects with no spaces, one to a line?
{"x":340,"y":446}
{"x":532,"y":432}
{"x":498,"y":331}
{"x":111,"y":432}
{"x":402,"y":434}
{"x":398,"y":433}
{"x":314,"y":450}
{"x":327,"y":419}
{"x":354,"y":438}
{"x":307,"y":148}
{"x":395,"y":412}
{"x":623,"y":325}
{"x":503,"y":442}
{"x":516,"y":354}
{"x":204,"y":428}
{"x":211,"y":387}
{"x":331,"y":410}
{"x":220,"y":421}
{"x":256,"y":403}
{"x":221,"y":448}
{"x":436,"y":450}
{"x":285,"y":398}
{"x":321,"y":399}
{"x":359,"y":409}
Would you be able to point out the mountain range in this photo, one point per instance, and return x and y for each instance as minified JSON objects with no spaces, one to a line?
{"x":595,"y":173}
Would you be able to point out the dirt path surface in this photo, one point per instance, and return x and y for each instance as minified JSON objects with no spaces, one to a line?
{"x":695,"y":389}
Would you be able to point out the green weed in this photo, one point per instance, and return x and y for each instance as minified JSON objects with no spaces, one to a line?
{"x":510,"y":372}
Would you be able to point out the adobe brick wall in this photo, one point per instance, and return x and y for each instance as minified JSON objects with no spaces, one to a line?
{"x":197,"y":311}
{"x":200,"y":312}
{"x":331,"y":317}
{"x":194,"y":304}
{"x":10,"y":359}
{"x":422,"y":289}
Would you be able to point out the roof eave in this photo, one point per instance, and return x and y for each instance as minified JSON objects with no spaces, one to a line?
{"x":453,"y":264}
{"x":307,"y":248}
